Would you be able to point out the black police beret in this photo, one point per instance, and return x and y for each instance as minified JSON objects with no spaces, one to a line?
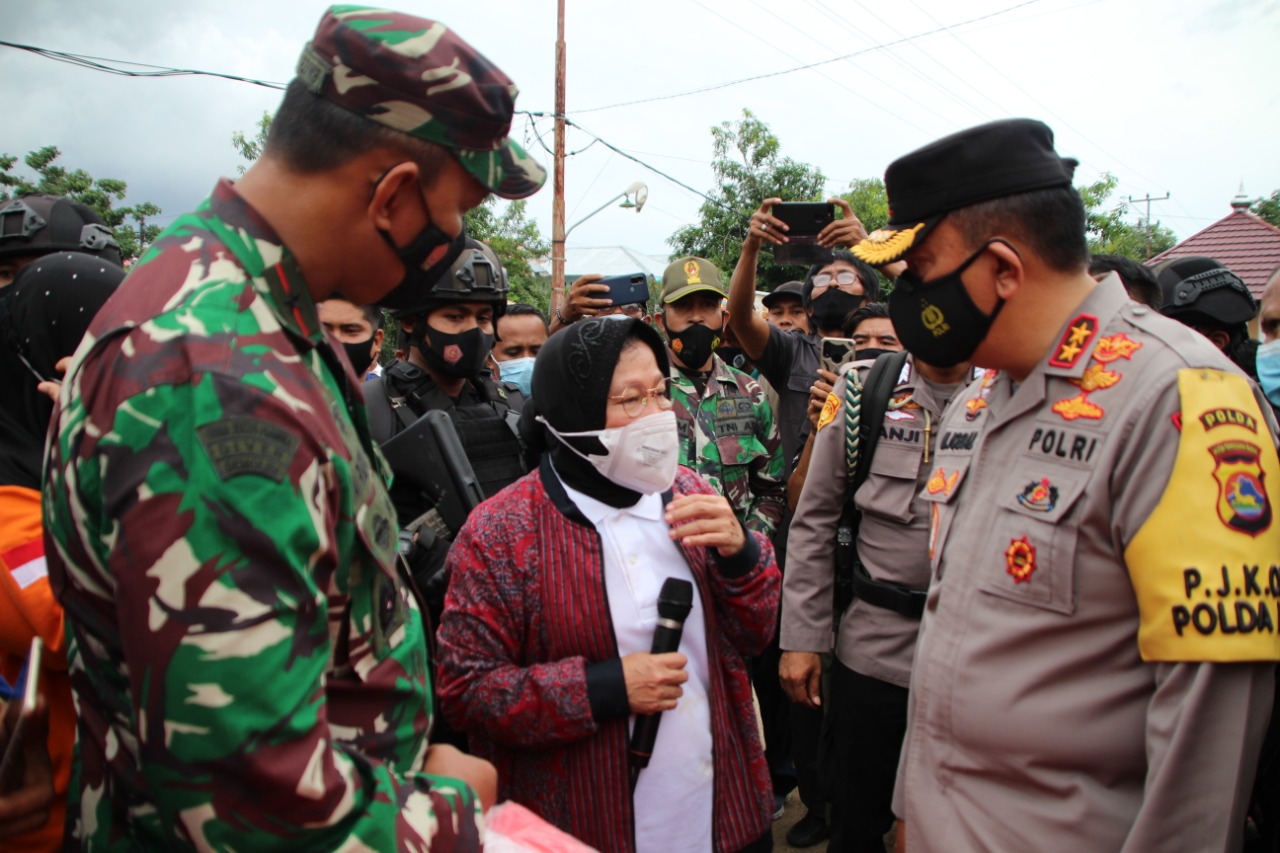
{"x":990,"y":161}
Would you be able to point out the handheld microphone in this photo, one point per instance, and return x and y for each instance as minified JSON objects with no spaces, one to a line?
{"x":674,"y":603}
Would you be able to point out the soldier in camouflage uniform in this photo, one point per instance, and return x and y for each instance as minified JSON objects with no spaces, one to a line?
{"x":727,"y":430}
{"x":248,"y":667}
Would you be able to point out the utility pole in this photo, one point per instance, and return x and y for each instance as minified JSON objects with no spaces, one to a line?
{"x":557,"y":180}
{"x":1147,"y":221}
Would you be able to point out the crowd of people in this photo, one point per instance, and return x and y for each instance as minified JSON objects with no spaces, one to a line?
{"x":989,"y":563}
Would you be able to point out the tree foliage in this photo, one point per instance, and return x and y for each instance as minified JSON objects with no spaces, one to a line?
{"x":869,"y":201}
{"x":251,"y":148}
{"x":516,"y":240}
{"x":748,"y":167}
{"x":1111,"y":234}
{"x":1267,"y":209}
{"x":129,"y":224}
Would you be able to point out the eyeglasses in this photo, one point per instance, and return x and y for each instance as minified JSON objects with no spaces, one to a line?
{"x":634,"y":399}
{"x":844,"y":279}
{"x":635,"y":309}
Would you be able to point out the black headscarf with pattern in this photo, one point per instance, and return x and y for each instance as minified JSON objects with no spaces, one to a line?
{"x":571,"y":380}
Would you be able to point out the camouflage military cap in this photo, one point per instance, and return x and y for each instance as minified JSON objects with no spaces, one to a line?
{"x":420,"y":77}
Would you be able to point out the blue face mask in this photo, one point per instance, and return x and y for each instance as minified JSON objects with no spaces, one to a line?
{"x":518,"y":371}
{"x":1269,"y":370}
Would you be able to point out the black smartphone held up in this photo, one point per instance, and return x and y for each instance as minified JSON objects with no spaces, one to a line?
{"x":837,"y":352}
{"x":10,"y":766}
{"x":629,"y":289}
{"x":805,"y":219}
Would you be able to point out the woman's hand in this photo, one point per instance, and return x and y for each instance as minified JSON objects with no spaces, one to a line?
{"x":653,"y":681}
{"x":707,"y":521}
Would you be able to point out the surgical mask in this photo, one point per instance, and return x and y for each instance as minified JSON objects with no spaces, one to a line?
{"x":830,"y":309}
{"x":419,"y":281}
{"x":461,"y":356}
{"x":360,"y":355}
{"x":694,"y":345}
{"x":937,"y":320}
{"x":1268,"y":366}
{"x":641,"y":456}
{"x":519,"y":372}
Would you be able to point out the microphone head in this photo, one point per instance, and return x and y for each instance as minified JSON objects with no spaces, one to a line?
{"x":675,"y":600}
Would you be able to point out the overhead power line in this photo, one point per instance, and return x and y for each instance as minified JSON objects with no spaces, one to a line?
{"x":874,"y":48}
{"x":115,"y":66}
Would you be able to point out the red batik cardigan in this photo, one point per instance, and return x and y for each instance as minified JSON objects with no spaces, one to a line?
{"x":529,"y":666}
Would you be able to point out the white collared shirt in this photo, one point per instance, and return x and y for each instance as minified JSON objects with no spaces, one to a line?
{"x":673,"y":797}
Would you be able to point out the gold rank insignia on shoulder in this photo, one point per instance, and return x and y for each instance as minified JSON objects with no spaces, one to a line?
{"x":1075,"y":341}
{"x":883,"y":246}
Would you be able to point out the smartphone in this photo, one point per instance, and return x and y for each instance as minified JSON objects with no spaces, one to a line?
{"x":10,"y":766}
{"x":628,"y":289}
{"x":837,"y":352}
{"x":805,"y":220}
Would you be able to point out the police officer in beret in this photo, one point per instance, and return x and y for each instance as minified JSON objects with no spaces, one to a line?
{"x":1097,"y":653}
{"x":249,"y":668}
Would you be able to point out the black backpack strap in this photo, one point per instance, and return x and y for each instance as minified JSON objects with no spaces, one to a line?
{"x":378,"y":408}
{"x":876,"y":395}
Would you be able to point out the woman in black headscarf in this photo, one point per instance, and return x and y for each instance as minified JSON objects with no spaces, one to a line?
{"x":552,"y":607}
{"x":43,"y":315}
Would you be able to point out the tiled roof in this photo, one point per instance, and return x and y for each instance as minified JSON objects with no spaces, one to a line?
{"x":1247,"y":245}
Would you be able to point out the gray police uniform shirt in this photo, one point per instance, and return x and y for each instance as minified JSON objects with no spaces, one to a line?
{"x":1059,"y":699}
{"x":790,"y":364}
{"x":893,"y":538}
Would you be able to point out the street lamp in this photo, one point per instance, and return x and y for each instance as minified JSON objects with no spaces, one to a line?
{"x":633,"y":198}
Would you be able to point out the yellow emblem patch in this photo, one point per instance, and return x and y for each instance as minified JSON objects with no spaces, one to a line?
{"x":882,"y":247}
{"x":1204,"y":565}
{"x":691,"y":272}
{"x":829,"y":410}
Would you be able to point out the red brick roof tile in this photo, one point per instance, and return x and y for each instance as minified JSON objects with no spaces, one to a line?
{"x":1247,"y":245}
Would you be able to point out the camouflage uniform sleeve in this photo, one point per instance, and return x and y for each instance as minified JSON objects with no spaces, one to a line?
{"x":211,"y":521}
{"x":767,"y":476}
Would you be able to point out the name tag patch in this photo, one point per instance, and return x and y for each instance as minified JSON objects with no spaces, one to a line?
{"x":248,"y":446}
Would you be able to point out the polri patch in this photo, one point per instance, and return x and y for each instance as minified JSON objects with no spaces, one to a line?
{"x":1039,"y":495}
{"x":1075,"y":341}
{"x":241,"y":446}
{"x":1115,"y":347}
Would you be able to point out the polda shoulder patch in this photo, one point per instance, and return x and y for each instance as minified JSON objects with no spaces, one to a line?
{"x":1205,"y":563}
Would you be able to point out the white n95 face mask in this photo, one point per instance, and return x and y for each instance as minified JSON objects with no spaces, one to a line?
{"x":641,"y":456}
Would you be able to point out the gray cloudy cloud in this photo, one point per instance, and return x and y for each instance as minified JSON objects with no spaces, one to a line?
{"x":1169,"y":96}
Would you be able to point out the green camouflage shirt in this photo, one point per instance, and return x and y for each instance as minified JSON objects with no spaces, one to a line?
{"x":728,"y":435}
{"x":248,"y":670}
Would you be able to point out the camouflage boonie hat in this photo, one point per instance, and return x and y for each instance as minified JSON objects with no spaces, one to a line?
{"x":689,"y":275}
{"x":420,"y":77}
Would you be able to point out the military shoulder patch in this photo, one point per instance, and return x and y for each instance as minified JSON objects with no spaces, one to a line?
{"x":1204,"y":564}
{"x":240,"y":446}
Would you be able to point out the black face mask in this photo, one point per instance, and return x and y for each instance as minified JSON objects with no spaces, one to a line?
{"x":937,"y":320}
{"x":830,"y":309}
{"x":418,"y":281}
{"x":360,"y":355}
{"x":694,"y":345}
{"x":735,"y":357}
{"x":870,"y":352}
{"x":461,"y":356}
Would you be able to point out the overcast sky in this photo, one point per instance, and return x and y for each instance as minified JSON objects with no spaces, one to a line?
{"x":1170,"y":96}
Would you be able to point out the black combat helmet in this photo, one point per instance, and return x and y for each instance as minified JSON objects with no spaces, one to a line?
{"x":39,"y":224}
{"x":1198,"y":288}
{"x":476,"y":276}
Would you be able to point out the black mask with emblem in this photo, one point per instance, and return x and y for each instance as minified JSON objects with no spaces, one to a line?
{"x":694,"y":345}
{"x":461,"y":356}
{"x":937,"y":320}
